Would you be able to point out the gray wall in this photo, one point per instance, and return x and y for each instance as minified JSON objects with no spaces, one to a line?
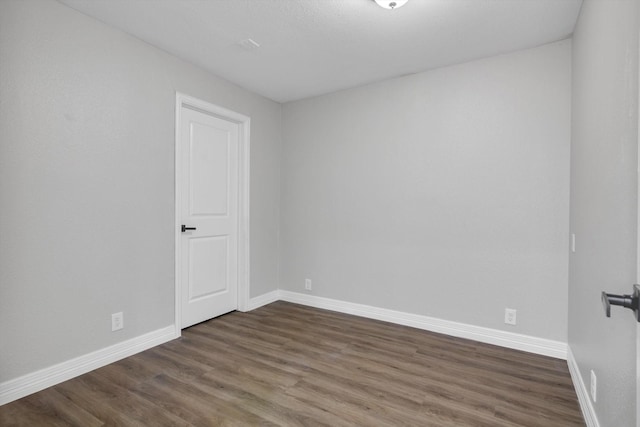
{"x":604,"y":201}
{"x":444,"y":193}
{"x":87,"y":183}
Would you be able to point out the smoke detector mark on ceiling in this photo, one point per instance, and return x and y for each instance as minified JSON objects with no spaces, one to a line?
{"x":249,"y":44}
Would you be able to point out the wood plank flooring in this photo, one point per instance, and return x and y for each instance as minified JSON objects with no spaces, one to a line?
{"x":290,"y":365}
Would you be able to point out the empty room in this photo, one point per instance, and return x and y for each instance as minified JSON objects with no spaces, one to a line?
{"x":319,"y":212}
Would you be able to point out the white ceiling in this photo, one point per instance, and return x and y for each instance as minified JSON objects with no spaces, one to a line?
{"x":312,"y":47}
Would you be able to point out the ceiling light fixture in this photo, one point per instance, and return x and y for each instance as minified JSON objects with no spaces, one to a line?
{"x":391,"y":4}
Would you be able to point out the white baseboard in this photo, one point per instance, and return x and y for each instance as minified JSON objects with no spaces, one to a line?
{"x":22,"y":386}
{"x":527,"y":343}
{"x":39,"y":380}
{"x":263,"y":299}
{"x":588,"y":411}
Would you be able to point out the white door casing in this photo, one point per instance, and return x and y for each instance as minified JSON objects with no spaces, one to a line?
{"x":212,"y":195}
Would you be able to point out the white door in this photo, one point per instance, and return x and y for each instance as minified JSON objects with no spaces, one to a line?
{"x":209,"y":149}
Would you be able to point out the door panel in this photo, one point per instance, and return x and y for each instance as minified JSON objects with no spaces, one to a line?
{"x":208,"y":260}
{"x":209,"y":265}
{"x":209,"y":172}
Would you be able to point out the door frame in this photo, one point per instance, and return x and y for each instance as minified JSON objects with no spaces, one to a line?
{"x":244,"y":124}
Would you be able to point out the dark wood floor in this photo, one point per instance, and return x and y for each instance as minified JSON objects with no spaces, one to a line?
{"x":290,"y":365}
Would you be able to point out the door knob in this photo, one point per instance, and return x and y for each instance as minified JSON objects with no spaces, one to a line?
{"x":631,"y":302}
{"x":185,"y":228}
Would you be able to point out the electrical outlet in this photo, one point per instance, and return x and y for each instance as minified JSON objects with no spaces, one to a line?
{"x":594,"y":386}
{"x":117,"y":321}
{"x":510,"y":316}
{"x":307,"y":284}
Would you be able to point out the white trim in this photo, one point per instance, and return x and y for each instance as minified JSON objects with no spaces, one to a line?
{"x":588,"y":411}
{"x":31,"y":383}
{"x":477,"y":333}
{"x":244,"y":124}
{"x":263,"y":299}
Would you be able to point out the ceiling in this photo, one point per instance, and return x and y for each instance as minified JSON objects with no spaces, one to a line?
{"x":312,"y":47}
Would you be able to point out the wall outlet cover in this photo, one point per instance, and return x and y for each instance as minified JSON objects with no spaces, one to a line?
{"x":117,"y":321}
{"x":510,"y":316}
